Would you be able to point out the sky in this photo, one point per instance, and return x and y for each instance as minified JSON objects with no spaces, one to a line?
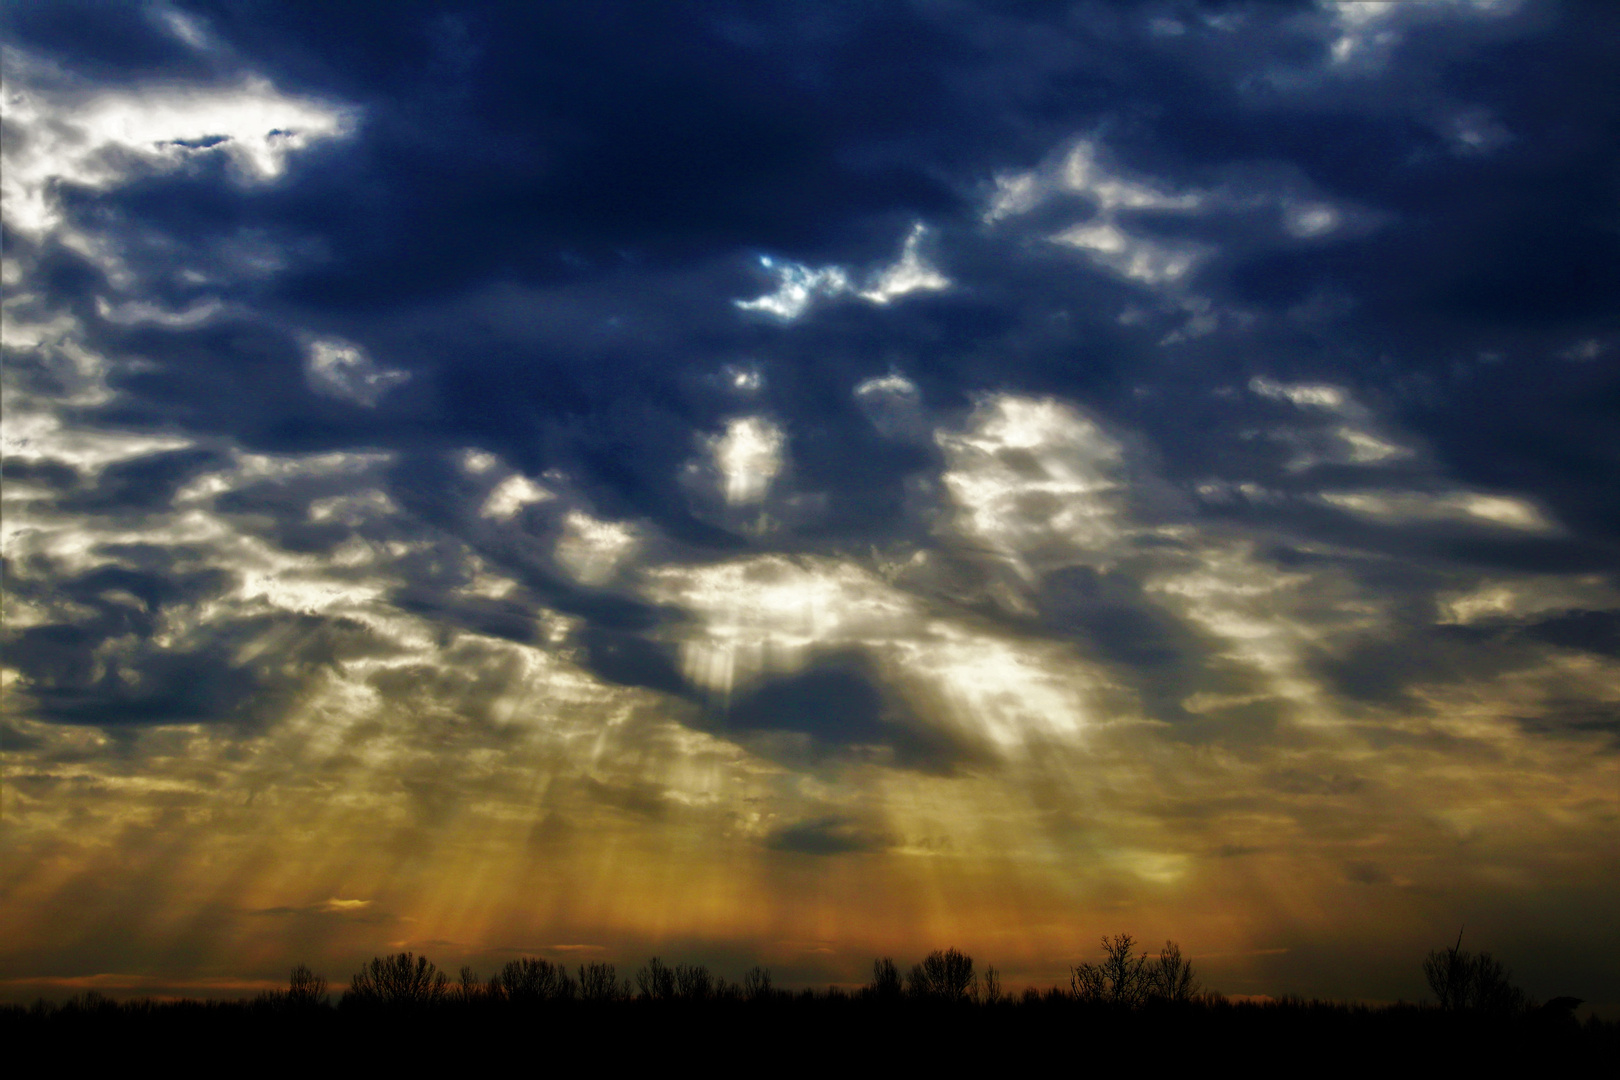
{"x":791,"y":483}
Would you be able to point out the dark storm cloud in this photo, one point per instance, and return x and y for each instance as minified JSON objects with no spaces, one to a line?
{"x":837,"y":708}
{"x":613,"y":155}
{"x":535,"y":231}
{"x":827,"y":836}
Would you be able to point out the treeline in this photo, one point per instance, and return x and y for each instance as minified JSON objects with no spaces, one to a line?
{"x":1124,"y":979}
{"x":943,"y":1011}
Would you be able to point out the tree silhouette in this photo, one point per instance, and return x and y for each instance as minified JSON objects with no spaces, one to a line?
{"x":992,"y":986}
{"x":1171,"y":978}
{"x":305,"y":989}
{"x":467,"y":986}
{"x":528,"y":980}
{"x":943,"y":976}
{"x":599,"y":983}
{"x":1121,"y":978}
{"x":656,"y":981}
{"x":693,"y":982}
{"x":1475,"y":982}
{"x":885,"y":984}
{"x":401,"y":979}
{"x":756,"y":984}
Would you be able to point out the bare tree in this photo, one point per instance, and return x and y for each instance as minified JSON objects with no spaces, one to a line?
{"x":1477,"y":982}
{"x":693,"y":982}
{"x":1492,"y":989}
{"x":1449,"y":971}
{"x":943,"y":975}
{"x":467,"y":986}
{"x":656,"y":981}
{"x":530,"y":979}
{"x":992,"y":986}
{"x":1171,"y":977}
{"x":1121,"y":978}
{"x":885,"y":984}
{"x":599,"y":982}
{"x":401,"y":979}
{"x":305,"y":989}
{"x":756,"y":984}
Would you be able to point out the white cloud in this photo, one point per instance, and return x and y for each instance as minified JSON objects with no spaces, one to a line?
{"x":183,"y":25}
{"x":1105,"y":237}
{"x":1581,"y":351}
{"x":798,"y":285}
{"x":592,"y":549}
{"x":1367,"y":30}
{"x":1150,"y":262}
{"x":1036,"y":481}
{"x":1302,"y":394}
{"x":1308,"y":220}
{"x":135,"y":312}
{"x":1527,"y":596}
{"x":771,"y":615}
{"x":1406,"y":507}
{"x":893,"y":405}
{"x":511,"y":495}
{"x":910,"y":274}
{"x":1083,"y":174}
{"x":748,"y":456}
{"x":742,"y":380}
{"x":1353,"y":441}
{"x":342,"y":370}
{"x":99,"y":140}
{"x":1475,"y":132}
{"x":1117,"y":238}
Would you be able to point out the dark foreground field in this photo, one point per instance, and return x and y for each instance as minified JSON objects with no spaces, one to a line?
{"x":805,"y":1032}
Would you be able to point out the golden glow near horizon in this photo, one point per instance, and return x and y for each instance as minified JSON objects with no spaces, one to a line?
{"x":1066,"y":704}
